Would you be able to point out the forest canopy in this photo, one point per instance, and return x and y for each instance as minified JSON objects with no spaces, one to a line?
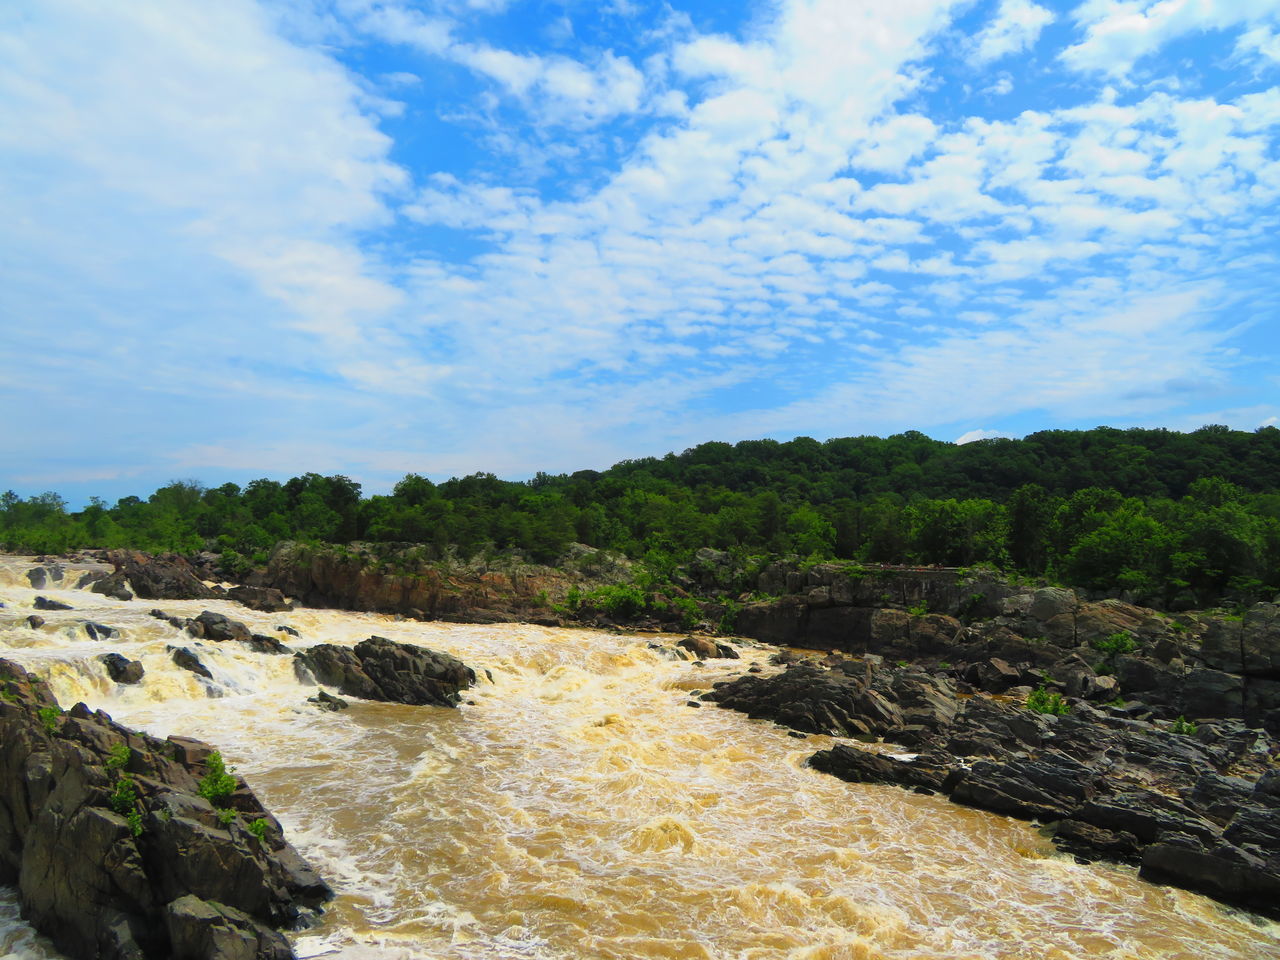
{"x":1160,"y":514}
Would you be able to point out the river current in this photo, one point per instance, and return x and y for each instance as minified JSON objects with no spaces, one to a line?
{"x":576,"y":806}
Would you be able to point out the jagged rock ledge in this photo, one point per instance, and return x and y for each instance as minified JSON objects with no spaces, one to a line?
{"x":115,"y":853}
{"x":382,"y":669}
{"x":1199,"y":810}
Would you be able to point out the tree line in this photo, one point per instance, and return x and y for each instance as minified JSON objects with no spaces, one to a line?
{"x":1173,"y":518}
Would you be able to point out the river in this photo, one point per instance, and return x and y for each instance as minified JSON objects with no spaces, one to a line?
{"x":576,"y":806}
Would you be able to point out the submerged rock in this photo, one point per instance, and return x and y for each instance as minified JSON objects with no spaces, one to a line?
{"x":44,"y":603}
{"x":116,"y":856}
{"x":381,"y":669}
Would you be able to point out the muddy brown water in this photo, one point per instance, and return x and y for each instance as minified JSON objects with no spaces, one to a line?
{"x":578,"y":807}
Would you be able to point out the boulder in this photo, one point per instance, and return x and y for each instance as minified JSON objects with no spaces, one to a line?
{"x":187,"y":660}
{"x":860,"y":766}
{"x":381,"y":669}
{"x":1049,"y":602}
{"x":100,"y":631}
{"x":121,"y":669}
{"x":706,"y":649}
{"x":266,"y":599}
{"x":35,"y":622}
{"x":114,"y":585}
{"x":44,"y":603}
{"x":205,"y":930}
{"x":220,"y":628}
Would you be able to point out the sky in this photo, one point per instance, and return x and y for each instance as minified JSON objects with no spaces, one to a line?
{"x":264,"y":237}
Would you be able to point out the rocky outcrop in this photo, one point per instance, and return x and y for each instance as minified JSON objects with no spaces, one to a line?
{"x":1196,"y":809}
{"x":704,"y":648}
{"x":115,"y":853}
{"x":381,"y":669}
{"x":159,"y":577}
{"x":220,"y":628}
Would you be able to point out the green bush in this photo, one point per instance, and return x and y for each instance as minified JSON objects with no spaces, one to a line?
{"x":118,"y":756}
{"x":218,"y":783}
{"x":1115,"y":644}
{"x":259,"y":829}
{"x":1184,"y":726}
{"x":49,"y":717}
{"x":1044,"y":700}
{"x":226,"y":816}
{"x":621,"y":600}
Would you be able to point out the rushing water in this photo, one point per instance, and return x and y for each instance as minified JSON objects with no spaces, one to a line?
{"x":578,"y":807}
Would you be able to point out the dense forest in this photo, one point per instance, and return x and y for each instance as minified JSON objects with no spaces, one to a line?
{"x":1181,"y":518}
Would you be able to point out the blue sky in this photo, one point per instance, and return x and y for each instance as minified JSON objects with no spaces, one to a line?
{"x":262,"y":237}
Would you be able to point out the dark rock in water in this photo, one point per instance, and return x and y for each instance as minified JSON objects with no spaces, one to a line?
{"x":35,"y":622}
{"x":327,"y":701}
{"x":163,"y":577}
{"x":100,"y":631}
{"x":289,"y":630}
{"x":705,"y":649}
{"x":173,"y":882}
{"x":121,"y":669}
{"x":266,"y":599}
{"x":264,"y":644}
{"x":187,"y":660}
{"x":44,"y":603}
{"x":1088,"y":842}
{"x":861,"y":766}
{"x":38,"y":577}
{"x":381,"y":669}
{"x":112,"y":585}
{"x":220,"y":628}
{"x":1220,"y":870}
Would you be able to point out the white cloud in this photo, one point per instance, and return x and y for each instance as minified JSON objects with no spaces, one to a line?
{"x":1016,"y":27}
{"x":972,"y":435}
{"x":1119,"y":33}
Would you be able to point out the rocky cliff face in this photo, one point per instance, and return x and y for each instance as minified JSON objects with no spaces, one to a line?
{"x":123,"y":846}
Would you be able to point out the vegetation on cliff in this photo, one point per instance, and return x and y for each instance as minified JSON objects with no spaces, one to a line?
{"x":1171,"y":518}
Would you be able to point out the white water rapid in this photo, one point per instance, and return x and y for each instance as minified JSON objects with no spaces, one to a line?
{"x":577,"y":807}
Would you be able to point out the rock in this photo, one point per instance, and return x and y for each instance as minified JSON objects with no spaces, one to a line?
{"x":1047,"y":788}
{"x":1087,"y":842}
{"x":266,"y":599}
{"x":1049,"y":602}
{"x":220,"y":628}
{"x":1222,"y":871}
{"x":44,"y":603}
{"x":860,"y":766}
{"x":121,"y":669}
{"x":705,"y":649}
{"x":262,"y":643}
{"x":38,"y":577}
{"x":381,"y":669}
{"x":187,"y":660}
{"x":161,"y":577}
{"x":35,"y":622}
{"x":204,"y":930}
{"x":289,"y":630}
{"x":113,"y":585}
{"x":326,"y":701}
{"x":993,"y":675}
{"x":173,"y":882}
{"x":100,"y":631}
